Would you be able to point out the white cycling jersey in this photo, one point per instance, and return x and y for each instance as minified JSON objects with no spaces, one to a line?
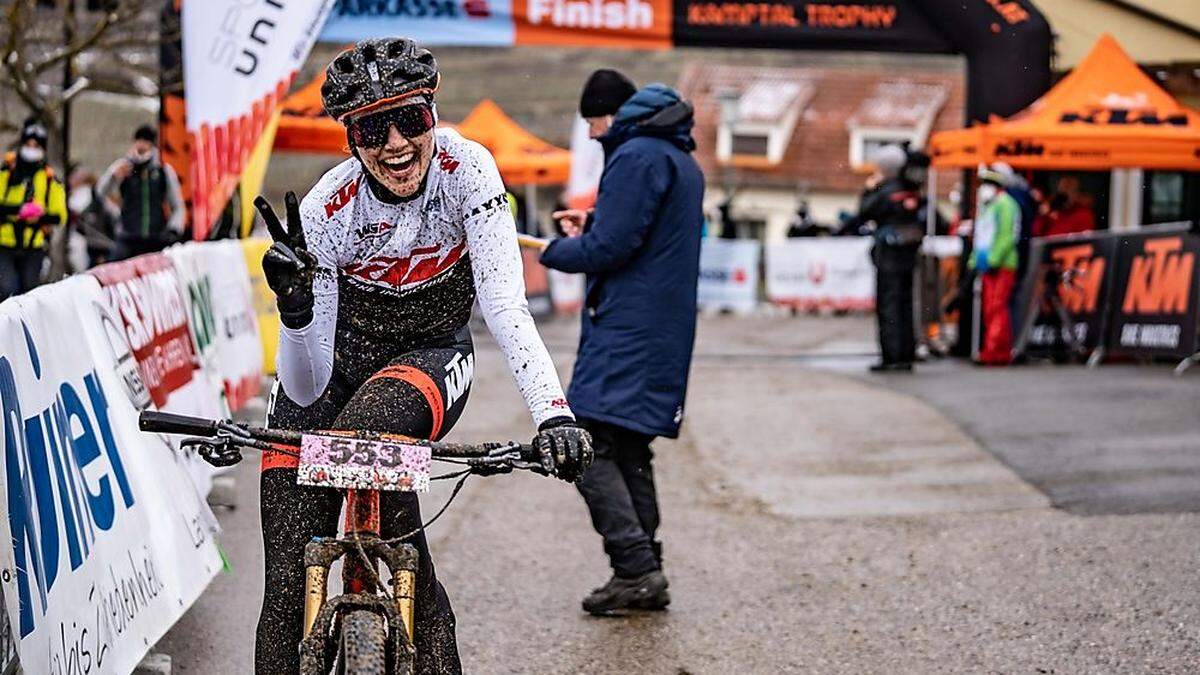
{"x":409,"y":272}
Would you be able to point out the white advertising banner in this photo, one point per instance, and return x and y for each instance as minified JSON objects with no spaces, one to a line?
{"x":822,"y":272}
{"x":224,"y":326}
{"x":149,"y":304}
{"x":484,"y":23}
{"x":239,"y":59}
{"x":566,"y":291}
{"x":106,"y":540}
{"x":729,"y":274}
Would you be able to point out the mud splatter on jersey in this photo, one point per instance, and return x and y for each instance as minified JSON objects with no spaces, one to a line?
{"x":394,"y":276}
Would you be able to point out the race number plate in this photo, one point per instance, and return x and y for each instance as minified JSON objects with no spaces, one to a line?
{"x":355,"y":464}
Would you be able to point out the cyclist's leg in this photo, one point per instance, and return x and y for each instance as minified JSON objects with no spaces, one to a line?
{"x":291,"y":516}
{"x":611,"y":506}
{"x":422,"y":394}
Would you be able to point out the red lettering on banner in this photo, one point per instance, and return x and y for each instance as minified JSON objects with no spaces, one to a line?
{"x":145,"y":293}
{"x":851,"y":16}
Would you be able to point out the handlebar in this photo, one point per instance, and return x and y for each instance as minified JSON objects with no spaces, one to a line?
{"x":233,"y":433}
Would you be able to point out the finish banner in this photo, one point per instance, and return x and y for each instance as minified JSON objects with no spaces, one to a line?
{"x":239,"y":59}
{"x":106,"y":540}
{"x":1007,"y":43}
{"x":1155,"y":288}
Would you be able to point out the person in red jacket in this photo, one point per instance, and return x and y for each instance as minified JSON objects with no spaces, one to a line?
{"x":1070,"y":211}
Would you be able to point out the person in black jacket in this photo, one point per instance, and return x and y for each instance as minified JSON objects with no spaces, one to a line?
{"x":640,"y":250}
{"x":895,"y":206}
{"x":151,"y":201}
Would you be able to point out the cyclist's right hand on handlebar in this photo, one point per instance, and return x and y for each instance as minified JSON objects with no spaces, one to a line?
{"x":287,"y":265}
{"x":565,"y":448}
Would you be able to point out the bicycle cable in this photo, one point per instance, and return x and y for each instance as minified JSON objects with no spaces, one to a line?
{"x":366,"y":560}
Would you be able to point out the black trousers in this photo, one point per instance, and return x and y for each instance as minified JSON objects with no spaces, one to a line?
{"x":20,"y":271}
{"x":619,"y":491}
{"x":894,"y":302}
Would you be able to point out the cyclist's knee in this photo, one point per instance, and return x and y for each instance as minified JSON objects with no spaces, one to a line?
{"x":391,"y":405}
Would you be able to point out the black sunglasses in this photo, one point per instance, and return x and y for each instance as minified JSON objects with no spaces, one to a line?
{"x":371,"y":131}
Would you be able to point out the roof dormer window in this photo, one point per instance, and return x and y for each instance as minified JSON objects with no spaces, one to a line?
{"x":900,"y":112}
{"x":757,"y":122}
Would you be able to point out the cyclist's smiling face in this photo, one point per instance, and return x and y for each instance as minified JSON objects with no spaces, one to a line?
{"x":400,"y":163}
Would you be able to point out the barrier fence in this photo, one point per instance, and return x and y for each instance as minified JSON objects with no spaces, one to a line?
{"x":108,"y":537}
{"x":1132,"y":293}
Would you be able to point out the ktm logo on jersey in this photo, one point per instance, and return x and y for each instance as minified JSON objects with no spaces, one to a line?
{"x":448,"y":163}
{"x":1082,"y":293}
{"x":341,"y":198}
{"x":1160,"y":279}
{"x":422,"y":265}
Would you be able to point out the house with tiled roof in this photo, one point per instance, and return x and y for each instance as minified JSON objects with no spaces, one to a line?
{"x":776,"y":136}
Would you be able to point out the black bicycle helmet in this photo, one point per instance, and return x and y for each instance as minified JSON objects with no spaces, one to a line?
{"x":376,"y":72}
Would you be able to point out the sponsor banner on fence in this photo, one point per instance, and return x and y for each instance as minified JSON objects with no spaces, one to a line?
{"x":223,"y":321}
{"x":239,"y":59}
{"x":1081,"y":268}
{"x":825,"y":272}
{"x":566,"y":291}
{"x":263,"y":299}
{"x":729,"y":274}
{"x":146,"y":298}
{"x":484,"y":23}
{"x":106,"y":540}
{"x":1154,"y":295}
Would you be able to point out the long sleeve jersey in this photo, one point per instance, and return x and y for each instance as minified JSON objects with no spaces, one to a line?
{"x":401,"y":273}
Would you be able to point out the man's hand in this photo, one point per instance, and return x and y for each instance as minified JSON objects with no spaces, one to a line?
{"x":571,"y":221}
{"x":123,"y":169}
{"x":287,"y":265}
{"x":565,"y":448}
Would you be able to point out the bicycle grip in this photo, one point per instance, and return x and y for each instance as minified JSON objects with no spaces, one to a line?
{"x":170,"y":423}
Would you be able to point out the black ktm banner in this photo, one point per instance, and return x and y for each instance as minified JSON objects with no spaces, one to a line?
{"x":1075,"y":274}
{"x":1155,"y":301}
{"x":789,"y":24}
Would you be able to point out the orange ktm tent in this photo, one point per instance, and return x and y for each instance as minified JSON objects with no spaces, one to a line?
{"x":1106,"y":114}
{"x":524,"y":159}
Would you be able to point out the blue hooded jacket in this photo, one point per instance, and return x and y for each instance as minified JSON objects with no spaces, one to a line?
{"x":641,"y":254}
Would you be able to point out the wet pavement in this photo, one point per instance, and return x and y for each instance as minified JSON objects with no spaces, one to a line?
{"x":819,"y":519}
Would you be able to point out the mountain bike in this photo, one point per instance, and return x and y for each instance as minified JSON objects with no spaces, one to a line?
{"x":369,"y":628}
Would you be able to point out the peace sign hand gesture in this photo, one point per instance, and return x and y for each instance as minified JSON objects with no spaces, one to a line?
{"x":288,"y":265}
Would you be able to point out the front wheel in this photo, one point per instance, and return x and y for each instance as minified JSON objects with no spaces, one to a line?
{"x":362,"y":644}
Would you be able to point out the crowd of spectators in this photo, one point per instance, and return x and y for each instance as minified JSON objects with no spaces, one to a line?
{"x":49,"y":229}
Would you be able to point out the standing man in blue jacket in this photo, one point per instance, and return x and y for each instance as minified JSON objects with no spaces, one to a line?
{"x":640,"y":250}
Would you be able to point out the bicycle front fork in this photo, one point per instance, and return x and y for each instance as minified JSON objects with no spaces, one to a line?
{"x":362,"y":540}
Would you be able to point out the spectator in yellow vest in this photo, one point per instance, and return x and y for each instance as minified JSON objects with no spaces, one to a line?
{"x":32,"y":202}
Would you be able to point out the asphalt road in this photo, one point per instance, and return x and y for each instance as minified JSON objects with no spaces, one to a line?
{"x":817,"y":519}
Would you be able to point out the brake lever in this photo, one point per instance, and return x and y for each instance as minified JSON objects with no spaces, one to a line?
{"x":219,"y":452}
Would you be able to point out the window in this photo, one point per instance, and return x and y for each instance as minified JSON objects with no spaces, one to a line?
{"x":750,"y":144}
{"x":1170,"y":196}
{"x":757,"y":121}
{"x":899,"y":112}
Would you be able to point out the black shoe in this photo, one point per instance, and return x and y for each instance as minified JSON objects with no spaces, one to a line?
{"x":621,"y":593}
{"x":904,"y":366}
{"x":655,"y":603}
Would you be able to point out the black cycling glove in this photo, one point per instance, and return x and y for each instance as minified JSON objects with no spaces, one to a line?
{"x":565,"y":448}
{"x":287,"y":265}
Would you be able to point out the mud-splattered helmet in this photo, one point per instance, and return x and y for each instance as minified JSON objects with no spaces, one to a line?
{"x":374,"y":73}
